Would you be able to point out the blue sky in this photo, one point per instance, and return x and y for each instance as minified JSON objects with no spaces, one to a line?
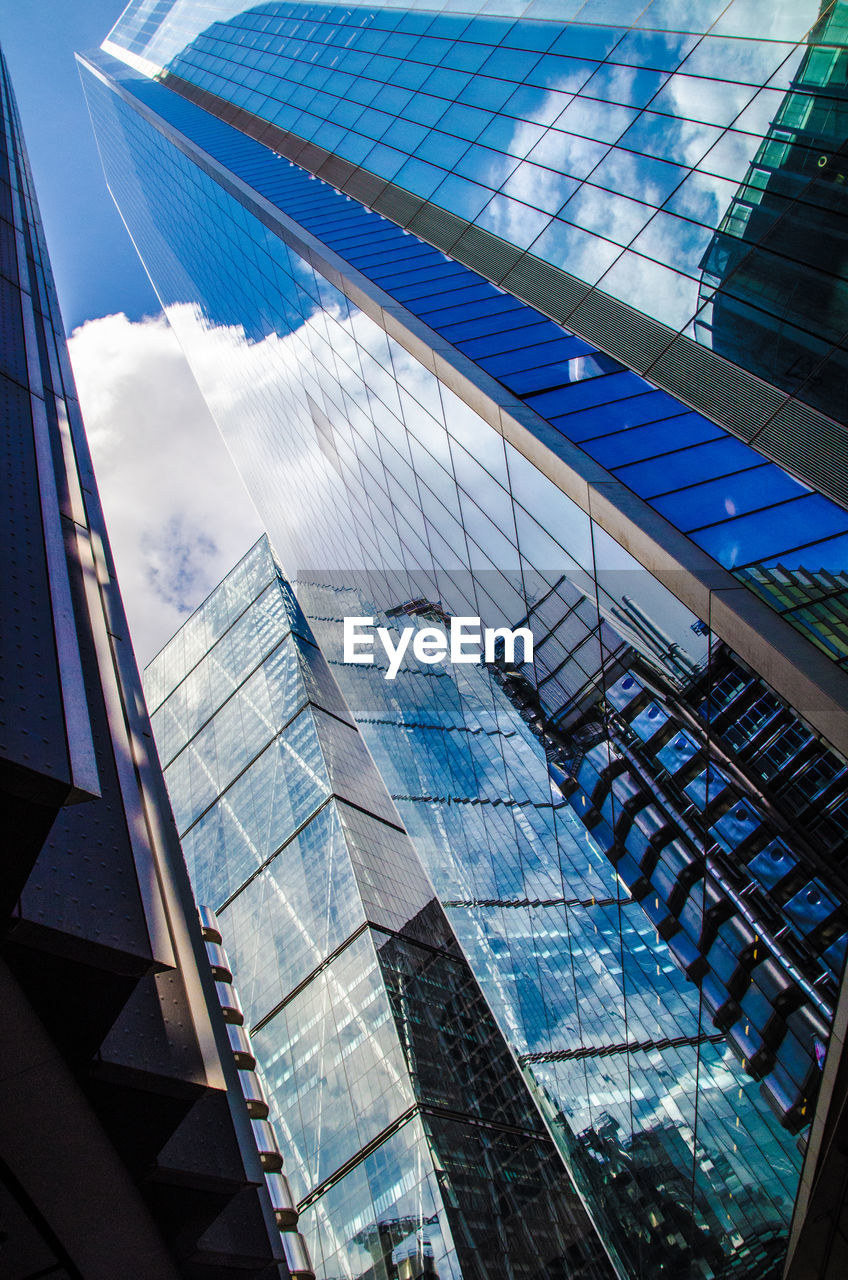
{"x":175,"y":528}
{"x":96,"y":268}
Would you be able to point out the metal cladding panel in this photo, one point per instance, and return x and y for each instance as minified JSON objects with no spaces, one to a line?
{"x":154,"y":1035}
{"x":65,"y":707}
{"x":32,"y":732}
{"x":32,"y":735}
{"x":85,"y":881}
{"x":62,"y":749}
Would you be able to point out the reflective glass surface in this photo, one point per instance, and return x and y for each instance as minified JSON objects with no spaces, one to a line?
{"x":683,"y":159}
{"x":614,"y":1027}
{"x":754,"y":513}
{"x":663,"y":1000}
{"x":333,"y":1066}
{"x":370,"y":1032}
{"x":391,"y":1200}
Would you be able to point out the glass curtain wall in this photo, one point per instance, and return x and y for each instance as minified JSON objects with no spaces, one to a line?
{"x":411,"y":1143}
{"x":656,"y":153}
{"x":637,"y":840}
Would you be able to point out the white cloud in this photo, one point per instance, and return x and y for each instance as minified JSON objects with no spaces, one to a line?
{"x":178,"y":515}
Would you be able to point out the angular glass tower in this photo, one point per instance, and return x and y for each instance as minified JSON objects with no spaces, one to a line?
{"x":503,"y":312}
{"x":411,"y":1143}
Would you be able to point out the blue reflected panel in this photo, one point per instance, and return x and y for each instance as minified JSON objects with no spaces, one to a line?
{"x":252,"y":818}
{"x":686,"y":466}
{"x":616,"y":386}
{"x":287,"y":919}
{"x":710,"y":502}
{"x":399,"y":1186}
{"x":748,"y":539}
{"x":637,"y":411}
{"x":707,"y":787}
{"x":660,"y":442}
{"x":333,"y":1066}
{"x":828,"y":557}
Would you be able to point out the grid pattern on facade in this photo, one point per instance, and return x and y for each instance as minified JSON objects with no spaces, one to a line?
{"x":397,"y":431}
{"x":655,"y":152}
{"x":379,"y":1058}
{"x":719,"y":491}
{"x":394,"y":470}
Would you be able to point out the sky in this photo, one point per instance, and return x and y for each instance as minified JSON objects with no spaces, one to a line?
{"x":96,"y":267}
{"x":175,"y":530}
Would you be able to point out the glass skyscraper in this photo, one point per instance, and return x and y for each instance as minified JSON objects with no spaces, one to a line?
{"x":411,"y":1144}
{"x":531,"y":312}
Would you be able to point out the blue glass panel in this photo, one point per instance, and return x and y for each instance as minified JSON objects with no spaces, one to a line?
{"x":482,"y":326}
{"x":706,"y":788}
{"x":466,"y":294}
{"x":653,"y":441}
{"x":753,"y":537}
{"x":578,"y":368}
{"x":636,"y":411}
{"x":686,"y":466}
{"x":614,"y":386}
{"x":704,"y":504}
{"x":531,"y":357}
{"x":497,"y":304}
{"x":515,"y":338}
{"x":830,"y":555}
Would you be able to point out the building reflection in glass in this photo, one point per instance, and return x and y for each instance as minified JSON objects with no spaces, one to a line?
{"x":773,"y":286}
{"x":412,"y":1144}
{"x":625,"y":874}
{"x":656,"y":936}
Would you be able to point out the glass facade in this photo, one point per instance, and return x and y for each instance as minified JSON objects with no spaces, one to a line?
{"x":680,"y":160}
{"x":638,"y":838}
{"x":408,"y":1132}
{"x":781,"y":237}
{"x":721,"y":493}
{"x":632,"y":913}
